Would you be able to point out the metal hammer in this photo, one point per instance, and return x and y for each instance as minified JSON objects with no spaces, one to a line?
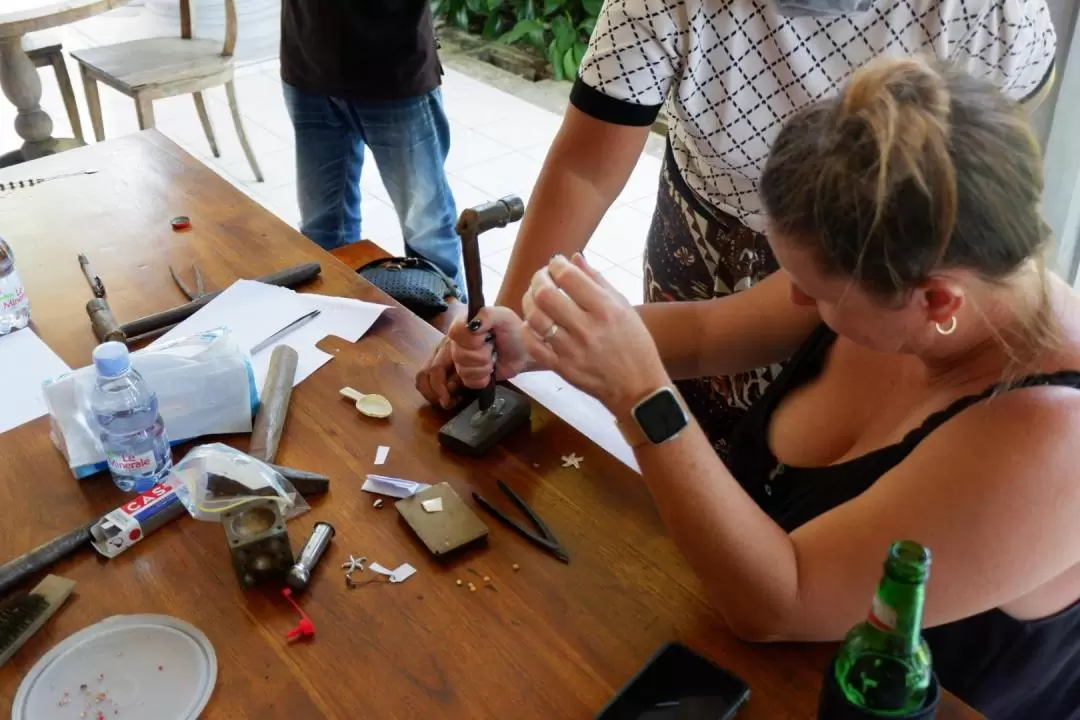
{"x":498,"y":410}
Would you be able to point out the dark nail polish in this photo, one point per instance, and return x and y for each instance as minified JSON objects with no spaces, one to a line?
{"x":474,"y":325}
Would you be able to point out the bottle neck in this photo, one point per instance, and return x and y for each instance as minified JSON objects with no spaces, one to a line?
{"x":898,"y":610}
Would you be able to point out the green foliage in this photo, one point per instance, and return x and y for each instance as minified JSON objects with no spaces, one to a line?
{"x":558,"y":29}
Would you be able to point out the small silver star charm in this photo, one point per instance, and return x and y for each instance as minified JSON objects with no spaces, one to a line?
{"x":354,"y":564}
{"x":572,"y":460}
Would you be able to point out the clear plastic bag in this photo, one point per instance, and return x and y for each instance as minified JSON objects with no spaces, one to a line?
{"x":204,"y":384}
{"x":213,"y":479}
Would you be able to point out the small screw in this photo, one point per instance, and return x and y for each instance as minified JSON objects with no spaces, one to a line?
{"x":516,"y":567}
{"x":377,"y":504}
{"x":487,"y":579}
{"x":460,"y":583}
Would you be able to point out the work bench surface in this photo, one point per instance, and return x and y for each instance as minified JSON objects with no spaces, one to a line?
{"x":546,"y":641}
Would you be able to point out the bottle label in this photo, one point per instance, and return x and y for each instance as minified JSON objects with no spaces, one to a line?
{"x":13,"y":299}
{"x":128,"y":464}
{"x":882,"y":616}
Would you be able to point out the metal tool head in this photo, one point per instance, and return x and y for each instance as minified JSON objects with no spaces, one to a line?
{"x":258,"y":541}
{"x":473,"y":432}
{"x":200,"y":288}
{"x":544,"y":539}
{"x":92,"y":279}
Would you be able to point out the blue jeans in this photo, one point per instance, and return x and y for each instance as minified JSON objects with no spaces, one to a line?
{"x":410,"y":140}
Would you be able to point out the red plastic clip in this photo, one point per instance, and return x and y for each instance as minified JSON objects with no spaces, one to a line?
{"x":304,"y":628}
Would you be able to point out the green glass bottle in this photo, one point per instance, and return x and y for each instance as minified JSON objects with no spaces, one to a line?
{"x":884,"y":665}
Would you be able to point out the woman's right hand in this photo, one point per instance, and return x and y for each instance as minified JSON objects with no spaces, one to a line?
{"x":465,"y":356}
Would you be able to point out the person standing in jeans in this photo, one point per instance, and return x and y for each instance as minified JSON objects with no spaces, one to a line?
{"x":366,"y":74}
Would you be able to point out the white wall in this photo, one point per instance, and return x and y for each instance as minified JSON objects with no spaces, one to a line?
{"x":1056,"y":124}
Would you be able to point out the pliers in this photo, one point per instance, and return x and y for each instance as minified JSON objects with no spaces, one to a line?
{"x":546,"y":540}
{"x":200,"y":289}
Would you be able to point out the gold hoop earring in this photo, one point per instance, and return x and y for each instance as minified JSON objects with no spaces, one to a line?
{"x":948,"y":329}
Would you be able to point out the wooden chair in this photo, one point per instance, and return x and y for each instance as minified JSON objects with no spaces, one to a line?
{"x":358,"y":254}
{"x":161,"y":67}
{"x":46,"y":50}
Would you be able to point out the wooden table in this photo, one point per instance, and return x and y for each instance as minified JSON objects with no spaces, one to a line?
{"x":18,"y":76}
{"x":553,"y":641}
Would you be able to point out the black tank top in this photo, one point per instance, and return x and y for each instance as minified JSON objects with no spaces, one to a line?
{"x":1005,"y":668}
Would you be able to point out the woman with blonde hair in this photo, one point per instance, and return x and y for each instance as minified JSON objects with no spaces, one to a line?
{"x":930,"y":393}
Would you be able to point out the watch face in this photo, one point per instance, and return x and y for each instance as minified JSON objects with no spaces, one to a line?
{"x":661,"y":416}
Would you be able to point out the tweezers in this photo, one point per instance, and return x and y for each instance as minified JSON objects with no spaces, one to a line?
{"x":546,"y":540}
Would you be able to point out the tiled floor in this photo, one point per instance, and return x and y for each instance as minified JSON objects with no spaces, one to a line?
{"x":497,"y":147}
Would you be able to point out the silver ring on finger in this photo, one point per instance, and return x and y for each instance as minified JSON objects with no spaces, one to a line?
{"x":551,"y":333}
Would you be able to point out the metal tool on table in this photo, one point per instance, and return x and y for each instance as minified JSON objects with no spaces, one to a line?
{"x":545,"y":540}
{"x":45,"y":556}
{"x":313,"y":550}
{"x":290,"y":328}
{"x":445,"y":531}
{"x":101,"y":318}
{"x":23,"y":614}
{"x":200,"y":287}
{"x":151,"y":326}
{"x":92,"y":278}
{"x":258,"y":541}
{"x":498,"y":410}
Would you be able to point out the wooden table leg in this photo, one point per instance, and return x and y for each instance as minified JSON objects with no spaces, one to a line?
{"x":22,"y":86}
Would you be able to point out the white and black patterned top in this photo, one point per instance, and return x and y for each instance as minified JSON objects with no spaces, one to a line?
{"x":731,"y":71}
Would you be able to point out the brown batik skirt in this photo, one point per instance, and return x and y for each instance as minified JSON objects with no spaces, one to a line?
{"x":696,"y":252}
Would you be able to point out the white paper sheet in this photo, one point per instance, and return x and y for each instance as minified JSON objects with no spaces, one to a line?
{"x":25,"y":363}
{"x":381,"y":454}
{"x":394,"y":487}
{"x":377,"y":568}
{"x":253,"y":311}
{"x":583,"y":412}
{"x":401,"y":574}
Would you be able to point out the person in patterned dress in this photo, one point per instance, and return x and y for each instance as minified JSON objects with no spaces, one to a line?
{"x":729,"y":74}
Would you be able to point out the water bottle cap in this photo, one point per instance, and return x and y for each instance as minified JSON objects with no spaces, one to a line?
{"x":111,"y":359}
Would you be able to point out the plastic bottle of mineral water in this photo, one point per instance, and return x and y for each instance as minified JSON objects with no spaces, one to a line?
{"x":132,"y":431}
{"x":14,"y":305}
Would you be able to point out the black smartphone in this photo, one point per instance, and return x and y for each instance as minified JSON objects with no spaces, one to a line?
{"x":678,"y":684}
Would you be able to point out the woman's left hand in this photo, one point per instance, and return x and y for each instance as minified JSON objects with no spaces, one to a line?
{"x":578,"y":325}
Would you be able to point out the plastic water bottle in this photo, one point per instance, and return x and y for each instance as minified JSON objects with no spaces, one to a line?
{"x":132,"y":431}
{"x":14,"y":305}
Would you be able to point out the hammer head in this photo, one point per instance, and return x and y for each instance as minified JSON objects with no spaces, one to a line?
{"x":473,"y":432}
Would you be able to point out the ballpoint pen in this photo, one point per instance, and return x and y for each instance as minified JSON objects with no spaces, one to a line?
{"x":294,"y":325}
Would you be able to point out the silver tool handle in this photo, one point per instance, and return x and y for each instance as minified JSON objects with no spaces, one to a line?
{"x":310,"y":555}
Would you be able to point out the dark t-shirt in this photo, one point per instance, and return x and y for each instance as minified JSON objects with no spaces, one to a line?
{"x":359,"y":49}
